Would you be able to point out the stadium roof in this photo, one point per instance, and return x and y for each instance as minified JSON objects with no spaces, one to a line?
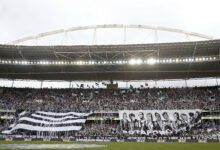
{"x":181,"y":50}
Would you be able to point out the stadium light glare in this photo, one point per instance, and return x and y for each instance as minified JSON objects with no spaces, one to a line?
{"x":139,"y":61}
{"x":81,"y":62}
{"x":132,"y":62}
{"x":24,"y":62}
{"x":43,"y":62}
{"x":151,"y":61}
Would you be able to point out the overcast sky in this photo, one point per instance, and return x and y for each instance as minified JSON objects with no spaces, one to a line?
{"x":20,"y":18}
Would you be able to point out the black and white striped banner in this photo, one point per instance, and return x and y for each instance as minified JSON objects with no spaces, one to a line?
{"x":42,"y":121}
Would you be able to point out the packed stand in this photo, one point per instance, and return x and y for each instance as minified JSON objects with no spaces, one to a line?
{"x":106,"y":99}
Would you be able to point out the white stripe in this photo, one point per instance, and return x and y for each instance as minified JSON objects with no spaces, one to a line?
{"x":22,"y":113}
{"x":63,"y":114}
{"x":53,"y":119}
{"x":48,"y":122}
{"x":37,"y":128}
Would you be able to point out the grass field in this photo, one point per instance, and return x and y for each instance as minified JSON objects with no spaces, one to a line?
{"x":137,"y":146}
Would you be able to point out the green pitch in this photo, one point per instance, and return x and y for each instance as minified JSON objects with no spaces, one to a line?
{"x":136,"y":146}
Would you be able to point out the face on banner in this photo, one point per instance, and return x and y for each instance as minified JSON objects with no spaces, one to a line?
{"x":155,"y":115}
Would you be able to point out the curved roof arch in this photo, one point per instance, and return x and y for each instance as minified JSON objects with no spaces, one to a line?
{"x":108,"y":26}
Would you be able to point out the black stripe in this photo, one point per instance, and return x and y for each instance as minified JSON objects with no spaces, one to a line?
{"x":53,"y":116}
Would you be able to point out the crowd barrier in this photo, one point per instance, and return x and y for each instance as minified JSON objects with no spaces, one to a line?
{"x":99,"y":139}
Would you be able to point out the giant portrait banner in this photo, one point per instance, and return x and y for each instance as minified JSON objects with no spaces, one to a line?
{"x":159,"y":122}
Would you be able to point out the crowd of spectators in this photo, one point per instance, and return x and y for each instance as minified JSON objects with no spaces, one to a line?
{"x":81,"y":100}
{"x":105,"y":99}
{"x":99,"y":130}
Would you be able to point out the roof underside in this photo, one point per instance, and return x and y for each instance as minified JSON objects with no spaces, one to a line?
{"x":111,"y":53}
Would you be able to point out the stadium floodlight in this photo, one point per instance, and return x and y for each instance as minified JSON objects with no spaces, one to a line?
{"x":80,"y":62}
{"x":139,"y":61}
{"x":90,"y":62}
{"x":132,"y":62}
{"x":151,"y":61}
{"x":24,"y":62}
{"x":43,"y":62}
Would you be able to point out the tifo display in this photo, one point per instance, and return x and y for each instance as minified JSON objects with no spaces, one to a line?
{"x":104,"y":115}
